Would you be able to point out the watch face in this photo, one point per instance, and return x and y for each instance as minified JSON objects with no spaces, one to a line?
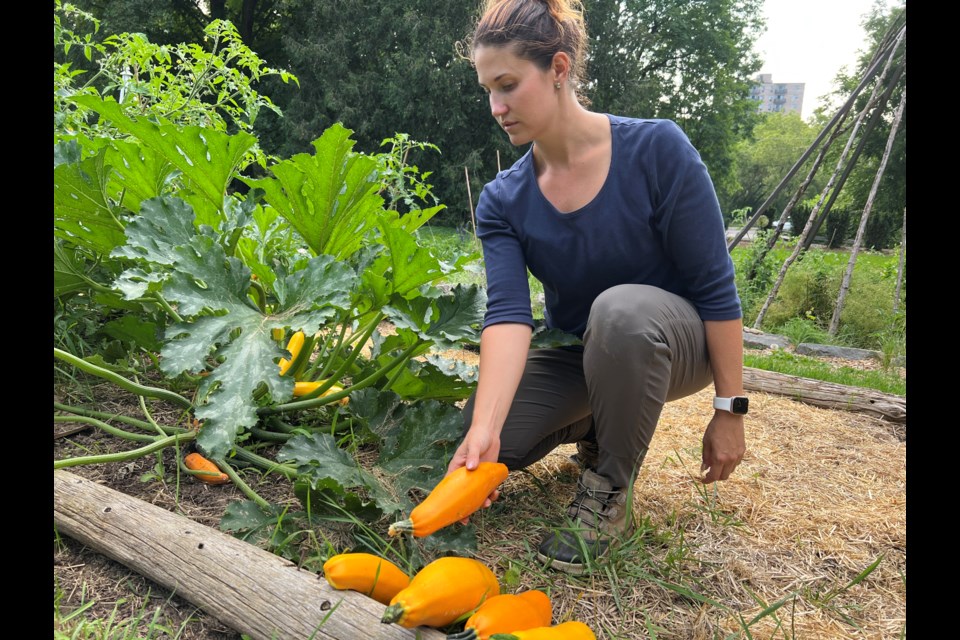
{"x":739,"y":405}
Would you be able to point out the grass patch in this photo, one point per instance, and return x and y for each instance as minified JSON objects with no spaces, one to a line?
{"x":886,"y":381}
{"x":81,"y":623}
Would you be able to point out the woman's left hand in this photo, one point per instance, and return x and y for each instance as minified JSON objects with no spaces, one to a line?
{"x":723,"y":446}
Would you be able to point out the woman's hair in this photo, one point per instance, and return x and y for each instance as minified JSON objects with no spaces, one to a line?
{"x":535,"y":30}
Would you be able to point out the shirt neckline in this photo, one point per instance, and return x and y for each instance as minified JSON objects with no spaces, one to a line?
{"x":606,"y":181}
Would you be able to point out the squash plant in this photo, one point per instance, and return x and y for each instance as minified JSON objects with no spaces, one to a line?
{"x":158,"y":207}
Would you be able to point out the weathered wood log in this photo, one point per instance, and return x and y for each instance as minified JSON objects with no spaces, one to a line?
{"x":829,"y":395}
{"x":252,"y":590}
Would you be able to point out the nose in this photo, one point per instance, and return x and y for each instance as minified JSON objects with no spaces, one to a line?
{"x":497,"y":107}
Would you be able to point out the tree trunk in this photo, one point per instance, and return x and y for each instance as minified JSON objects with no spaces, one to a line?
{"x":828,"y":395}
{"x":253,"y":591}
{"x":861,"y":230}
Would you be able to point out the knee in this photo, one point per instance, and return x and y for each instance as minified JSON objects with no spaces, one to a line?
{"x":630,"y":309}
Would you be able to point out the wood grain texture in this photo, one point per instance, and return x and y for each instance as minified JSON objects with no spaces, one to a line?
{"x":252,"y":590}
{"x":827,"y":394}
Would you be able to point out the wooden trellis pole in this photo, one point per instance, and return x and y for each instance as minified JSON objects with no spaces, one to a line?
{"x":903,"y":251}
{"x":818,"y":209}
{"x":861,"y":230}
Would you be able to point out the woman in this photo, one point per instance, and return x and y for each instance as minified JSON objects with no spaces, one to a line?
{"x":619,"y":220}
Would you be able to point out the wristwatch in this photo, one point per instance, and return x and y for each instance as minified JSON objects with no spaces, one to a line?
{"x":736,"y":405}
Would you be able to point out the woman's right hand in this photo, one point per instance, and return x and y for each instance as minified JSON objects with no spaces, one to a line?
{"x":477,"y":446}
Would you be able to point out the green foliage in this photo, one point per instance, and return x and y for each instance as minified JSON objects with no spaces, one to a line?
{"x":809,"y":292}
{"x":404,"y":184}
{"x":782,"y":361}
{"x":883,"y":230}
{"x":186,"y":83}
{"x":754,"y":259}
{"x":801,"y":330}
{"x":764,"y":158}
{"x":692,"y":62}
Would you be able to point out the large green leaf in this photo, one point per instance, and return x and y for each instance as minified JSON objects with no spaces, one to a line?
{"x":414,"y":454}
{"x":69,"y":270}
{"x":208,"y":159}
{"x":82,"y":212}
{"x":330,"y":198}
{"x":140,"y":173}
{"x":165,"y":223}
{"x":208,"y":281}
{"x":405,"y":263}
{"x":437,"y":379}
{"x":220,"y":323}
{"x":452,"y":317}
{"x":328,"y":473}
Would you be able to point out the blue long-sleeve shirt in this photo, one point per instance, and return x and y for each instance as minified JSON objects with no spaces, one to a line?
{"x":656,"y":221}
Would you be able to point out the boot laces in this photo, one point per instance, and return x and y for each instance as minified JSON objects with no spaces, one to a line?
{"x":592,"y":501}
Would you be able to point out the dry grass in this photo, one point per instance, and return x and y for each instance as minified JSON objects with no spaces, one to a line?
{"x":819,"y":497}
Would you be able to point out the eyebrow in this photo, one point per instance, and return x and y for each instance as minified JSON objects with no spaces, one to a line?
{"x":496,"y":79}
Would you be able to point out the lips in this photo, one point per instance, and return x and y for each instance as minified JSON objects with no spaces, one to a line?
{"x":506,"y":125}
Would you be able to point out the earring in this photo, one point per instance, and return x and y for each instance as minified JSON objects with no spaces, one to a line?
{"x":556,"y":85}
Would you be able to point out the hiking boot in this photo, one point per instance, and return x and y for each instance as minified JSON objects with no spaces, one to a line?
{"x":587,"y":455}
{"x":598,"y":515}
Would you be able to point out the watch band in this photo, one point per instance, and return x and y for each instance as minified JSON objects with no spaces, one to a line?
{"x":737,"y":404}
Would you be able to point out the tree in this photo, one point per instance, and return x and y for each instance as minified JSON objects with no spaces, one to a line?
{"x":382,"y":68}
{"x":766,"y":156}
{"x":690,"y":61}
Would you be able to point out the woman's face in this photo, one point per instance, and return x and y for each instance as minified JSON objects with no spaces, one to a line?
{"x":522,"y":96}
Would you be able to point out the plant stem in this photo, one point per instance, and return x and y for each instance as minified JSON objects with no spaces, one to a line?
{"x":140,"y":424}
{"x":243,"y":486}
{"x":138,"y":437}
{"x":123,"y":383}
{"x":125,"y":456}
{"x":333,"y":397}
{"x":266,"y":464}
{"x":160,"y":300}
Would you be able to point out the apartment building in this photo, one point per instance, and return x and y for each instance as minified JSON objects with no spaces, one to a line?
{"x":785,"y":97}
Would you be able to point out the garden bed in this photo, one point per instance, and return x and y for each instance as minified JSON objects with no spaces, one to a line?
{"x":814,"y":519}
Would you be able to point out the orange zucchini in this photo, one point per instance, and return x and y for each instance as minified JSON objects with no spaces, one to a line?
{"x":572,"y":630}
{"x":454,"y":498}
{"x":441,"y":592}
{"x":213,"y":475}
{"x":507,"y":613}
{"x":371,"y":575}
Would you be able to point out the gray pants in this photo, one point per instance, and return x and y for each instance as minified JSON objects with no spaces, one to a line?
{"x":642,"y":347}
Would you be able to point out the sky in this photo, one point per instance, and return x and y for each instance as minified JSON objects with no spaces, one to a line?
{"x":809,"y":41}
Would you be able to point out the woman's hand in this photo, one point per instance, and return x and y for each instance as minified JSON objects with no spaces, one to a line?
{"x":478,"y":446}
{"x":723,"y":446}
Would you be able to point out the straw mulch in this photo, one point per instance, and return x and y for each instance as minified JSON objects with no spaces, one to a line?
{"x":820,"y":495}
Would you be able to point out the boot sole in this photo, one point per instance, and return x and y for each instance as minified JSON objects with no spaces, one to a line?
{"x":567,"y":567}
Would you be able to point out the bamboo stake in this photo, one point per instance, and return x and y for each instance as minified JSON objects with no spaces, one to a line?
{"x":473,"y":220}
{"x":498,"y":160}
{"x":845,"y":284}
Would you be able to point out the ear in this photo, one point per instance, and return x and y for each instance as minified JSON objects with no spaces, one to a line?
{"x":560,"y":66}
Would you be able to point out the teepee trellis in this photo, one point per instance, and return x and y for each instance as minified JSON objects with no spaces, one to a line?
{"x":865,"y":121}
{"x":845,"y":285}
